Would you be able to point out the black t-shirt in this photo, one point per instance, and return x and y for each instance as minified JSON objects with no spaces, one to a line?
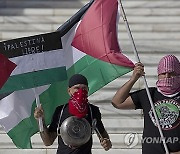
{"x":168,"y":111}
{"x":84,"y":149}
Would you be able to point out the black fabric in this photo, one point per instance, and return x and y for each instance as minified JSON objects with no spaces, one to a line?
{"x":86,"y":148}
{"x":168,"y":110}
{"x":77,"y":79}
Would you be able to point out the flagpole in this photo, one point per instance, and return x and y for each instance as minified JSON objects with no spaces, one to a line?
{"x":38,"y":105}
{"x":146,"y":85}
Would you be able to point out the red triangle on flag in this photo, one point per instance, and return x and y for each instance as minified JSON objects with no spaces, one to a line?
{"x":6,"y":67}
{"x":97,"y":33}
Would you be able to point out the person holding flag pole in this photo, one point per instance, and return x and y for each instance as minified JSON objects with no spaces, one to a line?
{"x":163,"y":113}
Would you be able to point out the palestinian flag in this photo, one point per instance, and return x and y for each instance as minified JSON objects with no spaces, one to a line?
{"x":39,"y":61}
{"x":99,"y":69}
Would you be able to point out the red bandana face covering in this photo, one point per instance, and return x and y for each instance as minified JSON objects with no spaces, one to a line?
{"x":78,"y":103}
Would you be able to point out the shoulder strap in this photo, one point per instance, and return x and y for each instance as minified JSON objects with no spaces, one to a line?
{"x":90,"y":109}
{"x":58,"y":126}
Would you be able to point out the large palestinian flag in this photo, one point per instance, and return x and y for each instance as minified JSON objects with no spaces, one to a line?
{"x":101,"y":64}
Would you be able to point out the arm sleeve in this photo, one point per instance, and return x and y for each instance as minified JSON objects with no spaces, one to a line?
{"x":136,"y":99}
{"x":140,"y":97}
{"x":97,"y":116}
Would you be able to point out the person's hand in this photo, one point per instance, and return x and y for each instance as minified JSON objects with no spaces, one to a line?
{"x":106,"y":144}
{"x":138,"y":71}
{"x":39,"y":112}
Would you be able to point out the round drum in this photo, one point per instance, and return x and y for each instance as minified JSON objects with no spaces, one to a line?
{"x":75,"y":131}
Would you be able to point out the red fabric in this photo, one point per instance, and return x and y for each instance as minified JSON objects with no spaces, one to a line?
{"x":78,"y":103}
{"x":97,"y":33}
{"x":6,"y":67}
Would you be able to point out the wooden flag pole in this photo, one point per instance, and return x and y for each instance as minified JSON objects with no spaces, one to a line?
{"x":146,"y":85}
{"x":38,"y":105}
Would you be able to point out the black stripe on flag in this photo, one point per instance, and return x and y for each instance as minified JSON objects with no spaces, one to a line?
{"x":31,"y":45}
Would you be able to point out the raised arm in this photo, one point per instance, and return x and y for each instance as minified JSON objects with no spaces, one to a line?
{"x":47,"y":137}
{"x":122,"y":99}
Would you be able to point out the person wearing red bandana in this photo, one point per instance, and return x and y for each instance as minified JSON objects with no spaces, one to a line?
{"x":78,"y":106}
{"x":166,"y":99}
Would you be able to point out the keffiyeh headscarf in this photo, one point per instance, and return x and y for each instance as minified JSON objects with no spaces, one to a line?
{"x":169,"y":86}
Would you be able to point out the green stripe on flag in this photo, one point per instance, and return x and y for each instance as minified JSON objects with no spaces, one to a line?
{"x":34,"y":79}
{"x":99,"y":73}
